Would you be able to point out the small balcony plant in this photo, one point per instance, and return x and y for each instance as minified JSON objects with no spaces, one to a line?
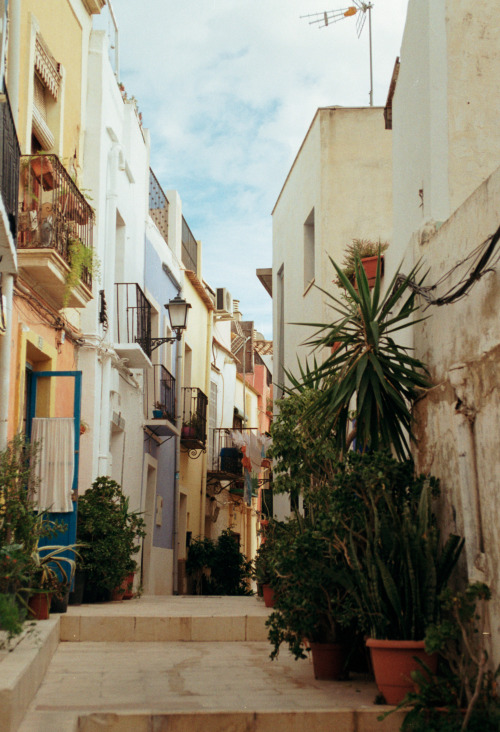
{"x":367,"y":251}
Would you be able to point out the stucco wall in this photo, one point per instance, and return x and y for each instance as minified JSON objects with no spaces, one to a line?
{"x":458,"y":422}
{"x":445,"y":109}
{"x":344,"y":171}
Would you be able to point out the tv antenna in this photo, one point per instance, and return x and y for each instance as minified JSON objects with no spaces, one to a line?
{"x":361,"y":9}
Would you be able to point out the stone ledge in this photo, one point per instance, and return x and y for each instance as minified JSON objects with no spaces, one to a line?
{"x":23,"y":670}
{"x":342,"y":720}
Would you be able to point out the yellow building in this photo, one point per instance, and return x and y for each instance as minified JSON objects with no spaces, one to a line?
{"x":194,"y":407}
{"x":47,"y":84}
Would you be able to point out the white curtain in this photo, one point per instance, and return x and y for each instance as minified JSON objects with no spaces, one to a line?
{"x":55,"y":464}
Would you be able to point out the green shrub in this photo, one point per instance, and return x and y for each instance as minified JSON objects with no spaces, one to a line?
{"x":110,"y":532}
{"x":219,"y":568}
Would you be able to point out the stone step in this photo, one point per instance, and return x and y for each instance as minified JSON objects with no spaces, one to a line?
{"x":168,"y":619}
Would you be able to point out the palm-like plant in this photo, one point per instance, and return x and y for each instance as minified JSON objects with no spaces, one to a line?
{"x":369,"y":381}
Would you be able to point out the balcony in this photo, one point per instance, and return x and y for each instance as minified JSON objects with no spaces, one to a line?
{"x":189,"y":248}
{"x":194,"y":418}
{"x":55,"y":229}
{"x":132,"y":325}
{"x":225,"y":456}
{"x":158,"y":205}
{"x":10,"y":154}
{"x":160,"y":402}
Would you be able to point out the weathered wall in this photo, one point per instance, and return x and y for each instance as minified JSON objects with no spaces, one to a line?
{"x":459,"y":420}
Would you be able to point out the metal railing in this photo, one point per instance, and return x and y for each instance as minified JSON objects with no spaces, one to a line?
{"x":189,"y":248}
{"x":158,"y":205}
{"x":160,"y":393}
{"x":132,"y":316}
{"x":194,"y":415}
{"x":53,"y":213}
{"x":10,"y":155}
{"x":224,"y":455}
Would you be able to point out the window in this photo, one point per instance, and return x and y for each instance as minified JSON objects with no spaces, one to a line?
{"x":309,"y":250}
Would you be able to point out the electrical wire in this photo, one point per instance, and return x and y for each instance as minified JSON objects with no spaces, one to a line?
{"x":480,"y":261}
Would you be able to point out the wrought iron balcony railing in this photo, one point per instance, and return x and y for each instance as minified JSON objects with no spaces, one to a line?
{"x":158,"y":205}
{"x":194,"y":418}
{"x":160,"y":394}
{"x":132,"y":316}
{"x":189,"y":248}
{"x":10,"y":154}
{"x":225,"y":457}
{"x":53,"y":213}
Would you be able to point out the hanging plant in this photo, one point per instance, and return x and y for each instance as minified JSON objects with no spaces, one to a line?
{"x":80,"y":258}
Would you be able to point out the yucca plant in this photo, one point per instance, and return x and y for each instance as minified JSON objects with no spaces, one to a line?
{"x":51,"y":569}
{"x":369,"y":381}
{"x":399,"y":567}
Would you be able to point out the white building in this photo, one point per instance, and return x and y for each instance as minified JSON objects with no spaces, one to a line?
{"x":445,"y":111}
{"x":338,"y":189}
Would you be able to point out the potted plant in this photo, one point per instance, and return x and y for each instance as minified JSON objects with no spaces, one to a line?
{"x":189,"y":430}
{"x":370,"y":253}
{"x":110,"y":531}
{"x":158,"y":410}
{"x":262,"y":572}
{"x":43,"y":171}
{"x":51,"y":573}
{"x":398,"y":566}
{"x":463,"y":693}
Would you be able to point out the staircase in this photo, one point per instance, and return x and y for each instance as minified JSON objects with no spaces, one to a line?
{"x":182,"y":664}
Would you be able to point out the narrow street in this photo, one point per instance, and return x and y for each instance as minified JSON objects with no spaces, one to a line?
{"x":186,"y":663}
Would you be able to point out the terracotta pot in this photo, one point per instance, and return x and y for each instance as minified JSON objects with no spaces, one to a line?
{"x":39,"y":606}
{"x":43,"y":172}
{"x":117,"y":594}
{"x":370,"y":267}
{"x":268,"y":594}
{"x":127,"y":585}
{"x":393,"y":662}
{"x":328,"y":660}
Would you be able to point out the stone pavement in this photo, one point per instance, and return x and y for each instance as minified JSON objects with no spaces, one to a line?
{"x":187,"y":664}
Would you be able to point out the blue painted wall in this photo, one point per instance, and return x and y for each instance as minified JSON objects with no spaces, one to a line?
{"x":163,"y":290}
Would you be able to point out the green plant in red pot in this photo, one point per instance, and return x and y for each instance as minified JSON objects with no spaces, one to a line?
{"x":398,"y":566}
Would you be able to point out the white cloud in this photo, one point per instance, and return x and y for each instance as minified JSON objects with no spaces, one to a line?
{"x":228,"y":89}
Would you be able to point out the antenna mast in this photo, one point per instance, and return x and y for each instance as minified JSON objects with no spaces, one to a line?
{"x":329,"y":17}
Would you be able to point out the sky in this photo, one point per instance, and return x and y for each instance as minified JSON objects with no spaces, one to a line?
{"x":228,"y":89}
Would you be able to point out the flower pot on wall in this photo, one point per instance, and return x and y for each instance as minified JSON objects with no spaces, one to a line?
{"x":158,"y":414}
{"x":328,"y":660}
{"x":393,"y":662}
{"x":370,"y":267}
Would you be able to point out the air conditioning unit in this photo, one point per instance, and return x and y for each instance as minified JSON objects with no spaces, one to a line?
{"x":224,"y":302}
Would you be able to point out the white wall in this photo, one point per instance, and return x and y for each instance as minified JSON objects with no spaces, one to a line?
{"x":343,"y":170}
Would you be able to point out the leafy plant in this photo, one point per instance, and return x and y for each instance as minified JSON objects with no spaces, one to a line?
{"x":311,"y":602}
{"x":369,"y":382}
{"x":110,"y":532}
{"x":81,"y":258}
{"x":50,"y":569}
{"x":219,"y":568}
{"x":398,"y":567}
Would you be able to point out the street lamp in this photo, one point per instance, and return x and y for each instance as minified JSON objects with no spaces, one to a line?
{"x":178,"y":313}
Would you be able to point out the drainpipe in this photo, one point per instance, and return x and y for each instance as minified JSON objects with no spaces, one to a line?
{"x":203,"y":488}
{"x":8,"y":277}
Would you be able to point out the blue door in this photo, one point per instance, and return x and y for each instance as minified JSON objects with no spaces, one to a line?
{"x":68,"y":536}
